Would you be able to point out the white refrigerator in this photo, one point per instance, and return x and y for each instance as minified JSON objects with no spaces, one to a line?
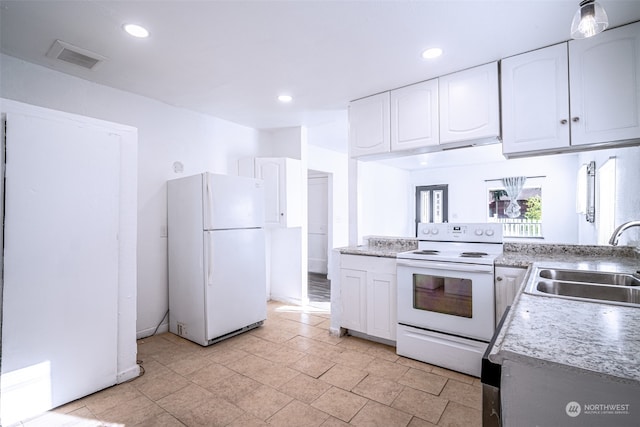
{"x":217,"y":266}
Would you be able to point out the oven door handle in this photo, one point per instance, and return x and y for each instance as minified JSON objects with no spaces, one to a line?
{"x":470,"y":268}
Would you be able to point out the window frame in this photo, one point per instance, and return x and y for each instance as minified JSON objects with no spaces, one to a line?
{"x":431,"y":189}
{"x":532,"y":182}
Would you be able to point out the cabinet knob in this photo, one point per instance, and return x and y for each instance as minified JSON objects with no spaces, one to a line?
{"x":499,"y":279}
{"x":576,"y":119}
{"x":563,"y":121}
{"x":281,"y":213}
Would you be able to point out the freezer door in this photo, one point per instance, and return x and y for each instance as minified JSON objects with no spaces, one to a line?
{"x":232,"y":202}
{"x":235,"y":280}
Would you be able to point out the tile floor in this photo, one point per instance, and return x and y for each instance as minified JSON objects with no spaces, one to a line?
{"x":289,"y":372}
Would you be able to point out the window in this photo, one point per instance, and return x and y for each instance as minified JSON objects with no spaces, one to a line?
{"x":431,"y":203}
{"x":528,"y":223}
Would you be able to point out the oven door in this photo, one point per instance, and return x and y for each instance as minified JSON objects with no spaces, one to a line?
{"x":453,"y":298}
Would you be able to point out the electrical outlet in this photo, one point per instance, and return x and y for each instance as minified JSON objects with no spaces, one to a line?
{"x":182,"y":329}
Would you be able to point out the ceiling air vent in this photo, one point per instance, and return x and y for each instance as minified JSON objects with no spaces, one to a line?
{"x":74,"y":55}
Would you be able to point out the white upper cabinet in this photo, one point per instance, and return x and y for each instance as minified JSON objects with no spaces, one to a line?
{"x":469,"y":104}
{"x":535,"y":100}
{"x":369,"y":125}
{"x":604,"y":75}
{"x":414,"y":116}
{"x":559,"y":99}
{"x":283,"y":190}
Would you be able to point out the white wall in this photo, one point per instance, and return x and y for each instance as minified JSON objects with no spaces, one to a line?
{"x":627,"y":200}
{"x":288,"y":255}
{"x":468,"y":191}
{"x":166,"y":134}
{"x":384,"y":201}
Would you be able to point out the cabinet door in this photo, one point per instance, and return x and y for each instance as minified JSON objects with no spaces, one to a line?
{"x":369,"y":125}
{"x":381,"y":305}
{"x":271,"y":170}
{"x":469,"y":104}
{"x":283,"y":191}
{"x":414,"y":116}
{"x":507,"y":281}
{"x":604,"y":76}
{"x":535,"y":100}
{"x":353,"y":293}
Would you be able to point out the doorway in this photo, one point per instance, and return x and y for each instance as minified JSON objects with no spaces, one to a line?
{"x":318,"y":284}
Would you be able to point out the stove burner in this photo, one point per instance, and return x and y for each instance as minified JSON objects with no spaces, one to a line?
{"x":427,"y":252}
{"x":473,"y":254}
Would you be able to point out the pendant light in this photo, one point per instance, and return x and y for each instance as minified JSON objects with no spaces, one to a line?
{"x":589,"y":20}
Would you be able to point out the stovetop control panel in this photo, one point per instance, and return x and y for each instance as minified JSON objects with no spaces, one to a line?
{"x":462,"y":232}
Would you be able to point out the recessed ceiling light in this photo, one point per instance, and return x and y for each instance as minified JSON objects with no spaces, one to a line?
{"x":285,"y":98}
{"x":136,"y":30}
{"x":431,"y":53}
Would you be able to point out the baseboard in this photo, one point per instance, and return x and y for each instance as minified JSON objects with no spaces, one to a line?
{"x":130,"y":373}
{"x":286,"y":300}
{"x":164,"y":327}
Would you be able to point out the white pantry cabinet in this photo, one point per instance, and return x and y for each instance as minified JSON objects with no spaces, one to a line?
{"x":580,"y":93}
{"x":369,"y":125}
{"x":469,"y":104}
{"x":368,"y":294}
{"x":282,"y":187}
{"x":507,"y":283}
{"x":535,"y":100}
{"x":414,"y":116}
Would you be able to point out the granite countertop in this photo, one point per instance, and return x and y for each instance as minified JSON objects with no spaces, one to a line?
{"x":578,"y":336}
{"x":599,"y":257}
{"x":379,"y":246}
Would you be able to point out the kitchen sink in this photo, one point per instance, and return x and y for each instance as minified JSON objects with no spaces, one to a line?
{"x":593,"y":286}
{"x":595,"y":277}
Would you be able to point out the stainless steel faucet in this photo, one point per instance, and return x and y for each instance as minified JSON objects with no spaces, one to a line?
{"x":618,"y":231}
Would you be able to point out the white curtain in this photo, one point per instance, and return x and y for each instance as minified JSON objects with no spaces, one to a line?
{"x":513,"y":185}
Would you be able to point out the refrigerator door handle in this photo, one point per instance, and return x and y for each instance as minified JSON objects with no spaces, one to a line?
{"x":208,"y":204}
{"x":209,"y":263}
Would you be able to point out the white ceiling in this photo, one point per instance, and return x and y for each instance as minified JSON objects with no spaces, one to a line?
{"x":231,"y":59}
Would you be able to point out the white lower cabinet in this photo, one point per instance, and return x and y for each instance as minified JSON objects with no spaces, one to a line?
{"x":368,"y":293}
{"x":507,"y":283}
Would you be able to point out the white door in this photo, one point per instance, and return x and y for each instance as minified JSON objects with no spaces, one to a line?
{"x":318,"y":187}
{"x":535,"y":100}
{"x":60,"y":312}
{"x":235,"y":280}
{"x":604,"y":76}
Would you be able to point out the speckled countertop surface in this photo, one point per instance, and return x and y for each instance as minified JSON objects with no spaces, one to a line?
{"x":601,"y":339}
{"x":387,"y":247}
{"x":524,"y":254}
